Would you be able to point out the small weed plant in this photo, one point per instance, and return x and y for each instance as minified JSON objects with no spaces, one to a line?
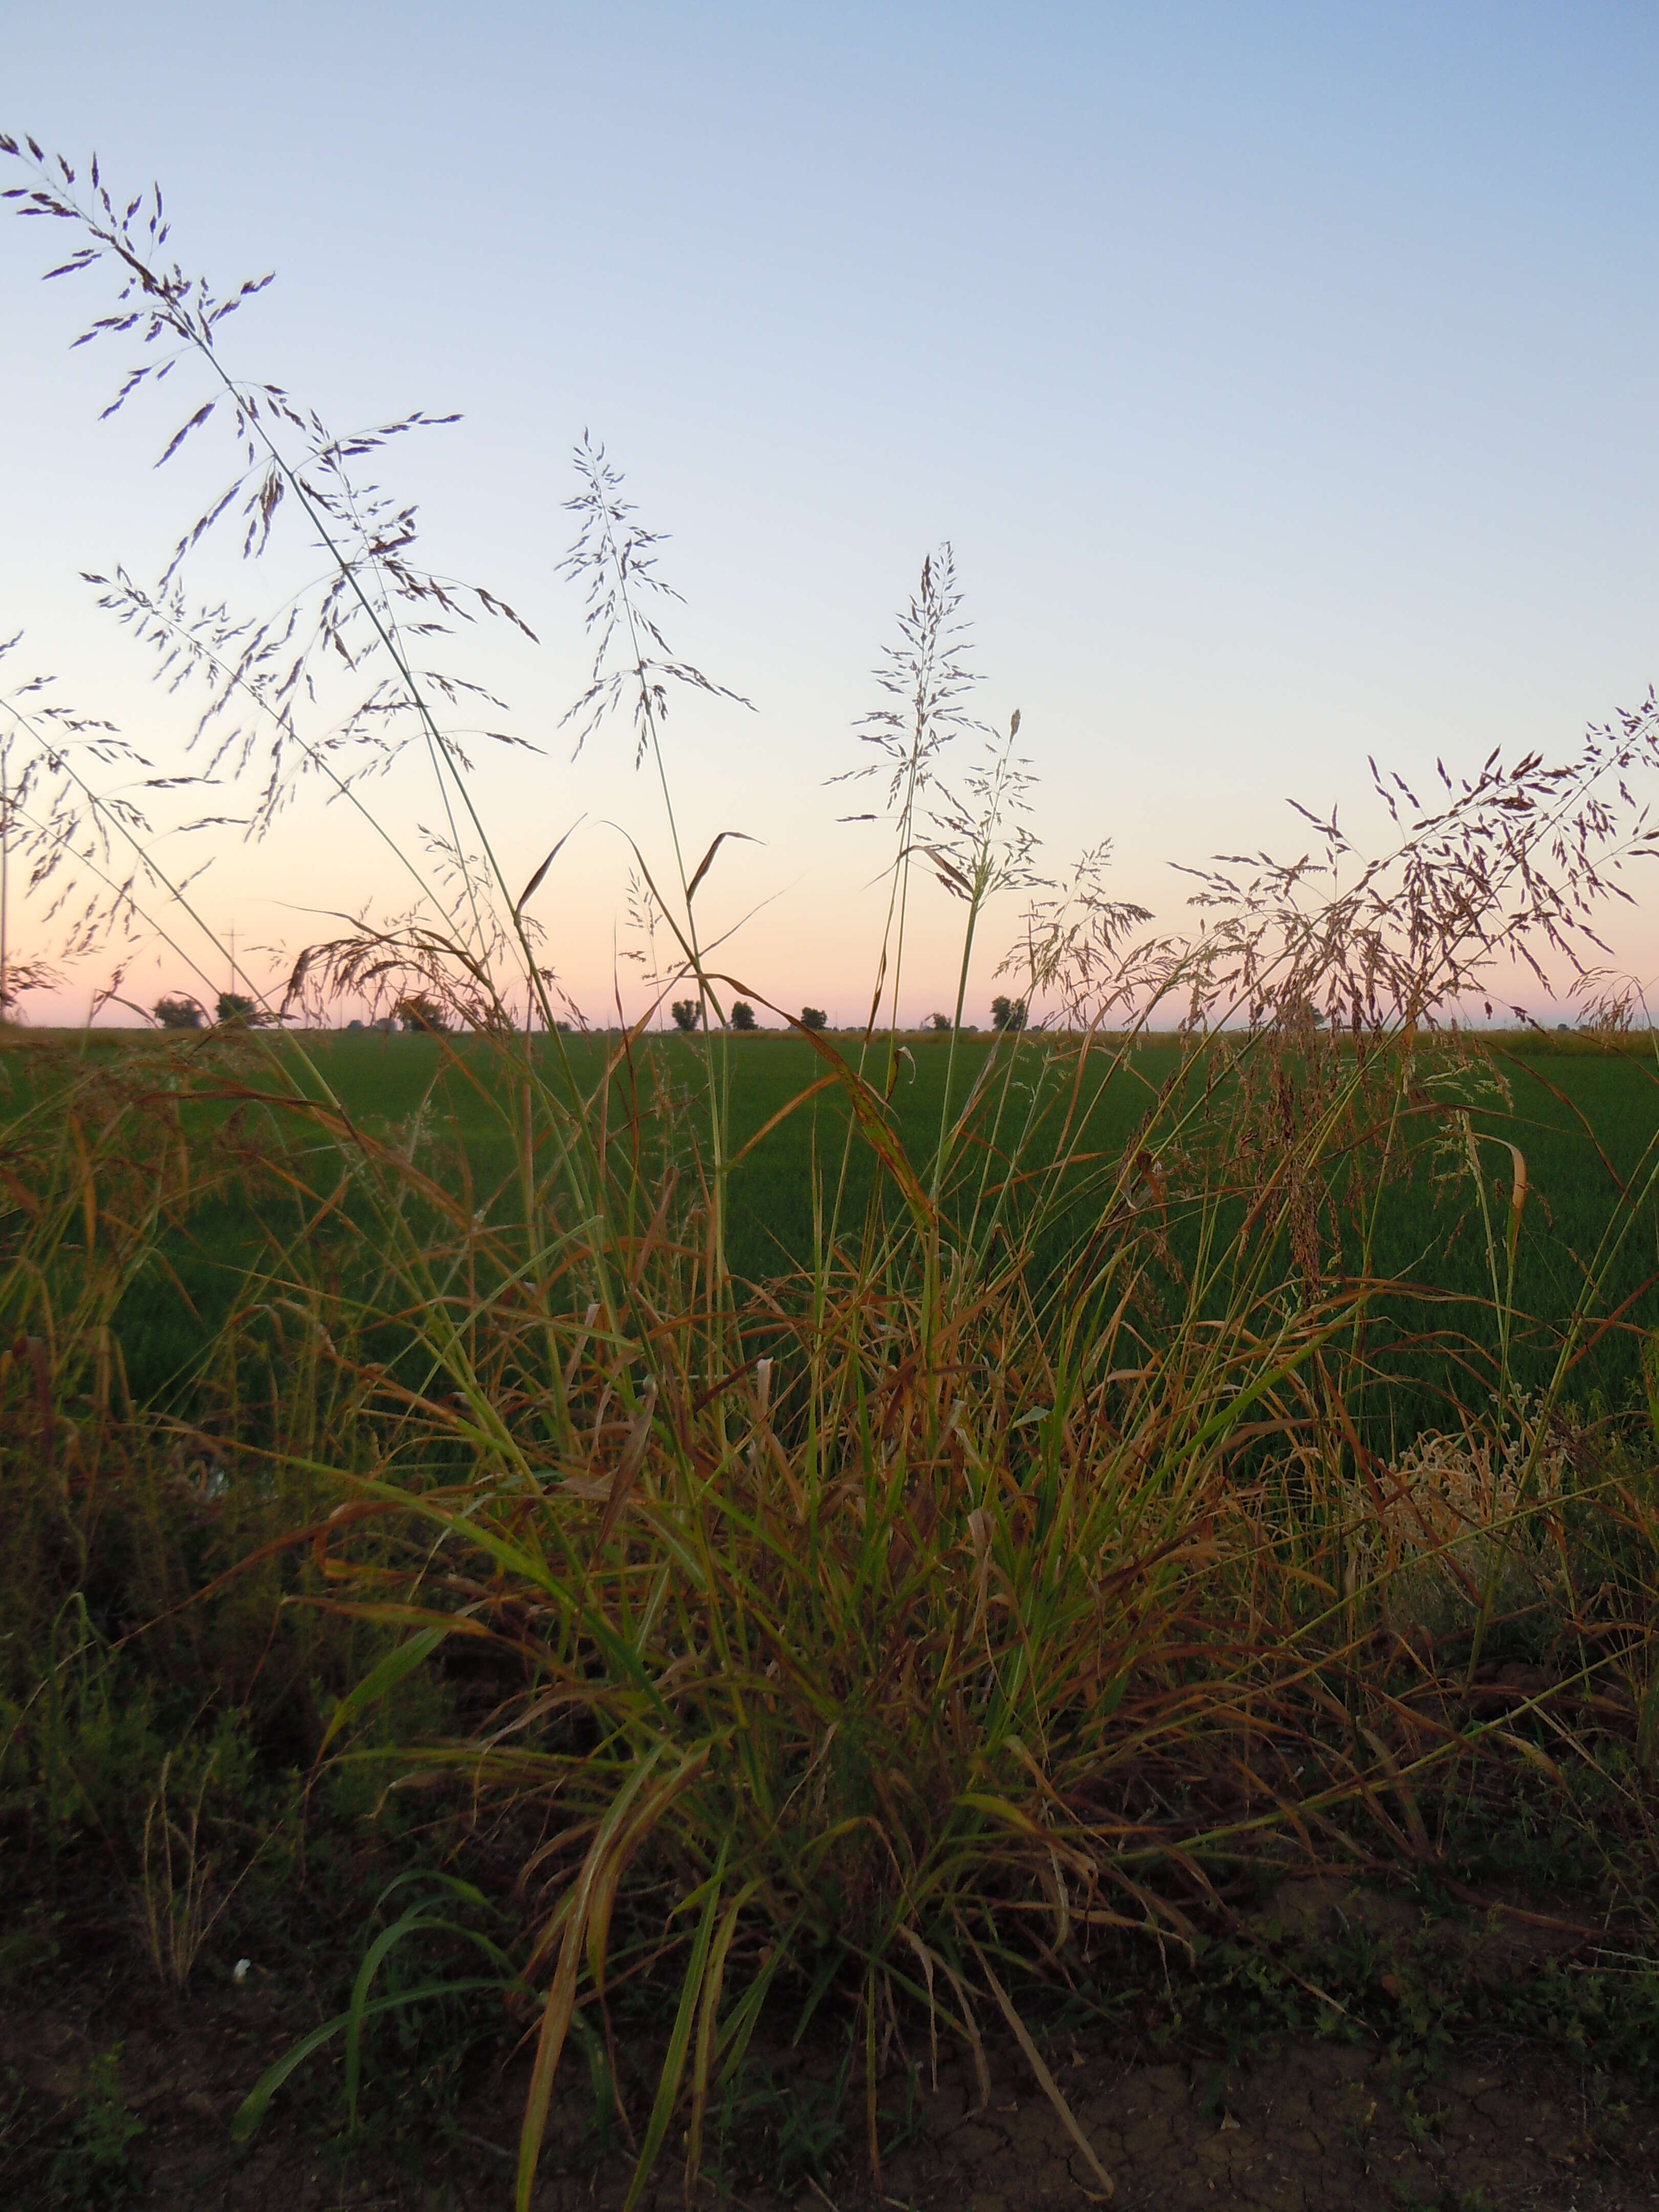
{"x":95,"y":2165}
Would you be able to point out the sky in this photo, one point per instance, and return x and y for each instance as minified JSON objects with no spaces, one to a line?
{"x":1281,"y":376}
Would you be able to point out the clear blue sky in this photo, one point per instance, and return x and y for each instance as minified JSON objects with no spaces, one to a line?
{"x":1283,"y":375}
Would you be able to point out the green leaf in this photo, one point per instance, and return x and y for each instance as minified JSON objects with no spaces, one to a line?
{"x":252,"y":2107}
{"x":382,"y":1678}
{"x":673,"y":2066}
{"x":418,"y":1918}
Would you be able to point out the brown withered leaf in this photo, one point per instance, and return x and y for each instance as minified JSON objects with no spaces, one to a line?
{"x":628,"y":1466}
{"x":708,"y":860}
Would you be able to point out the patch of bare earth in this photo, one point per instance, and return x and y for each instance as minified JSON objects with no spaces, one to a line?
{"x":1309,"y":2126}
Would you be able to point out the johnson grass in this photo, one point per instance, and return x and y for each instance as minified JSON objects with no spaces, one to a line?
{"x":868,"y":1527}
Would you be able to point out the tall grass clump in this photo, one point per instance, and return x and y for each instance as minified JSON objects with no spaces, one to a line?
{"x":1029,"y":1561}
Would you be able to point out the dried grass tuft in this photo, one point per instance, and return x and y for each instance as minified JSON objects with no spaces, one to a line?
{"x":1462,"y":1525}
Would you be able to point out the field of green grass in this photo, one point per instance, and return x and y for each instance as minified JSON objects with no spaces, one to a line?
{"x":1583,"y":1117}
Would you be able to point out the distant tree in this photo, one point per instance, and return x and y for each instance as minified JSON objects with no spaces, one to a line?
{"x":938,"y":1021}
{"x":742,"y":1015}
{"x":424,"y":1016}
{"x":178,"y":1013}
{"x":1007,"y":1013}
{"x":814,"y":1018}
{"x":687,"y":1013}
{"x":233,"y":1011}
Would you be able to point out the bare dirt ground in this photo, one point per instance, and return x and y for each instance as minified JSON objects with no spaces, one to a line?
{"x":1347,"y":2120}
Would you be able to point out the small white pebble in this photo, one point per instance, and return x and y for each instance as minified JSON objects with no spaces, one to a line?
{"x":239,"y":1971}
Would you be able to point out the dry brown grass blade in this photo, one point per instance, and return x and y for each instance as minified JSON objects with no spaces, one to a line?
{"x":1531,"y":1754}
{"x":1517,"y":1199}
{"x":1046,"y":2080}
{"x":979,"y":1530}
{"x":866,"y":1103}
{"x":653,"y":1231}
{"x":534,"y":884}
{"x":964,"y":2021}
{"x":628,"y":1467}
{"x":1405,"y":1795}
{"x":708,"y":859}
{"x":618,"y":1836}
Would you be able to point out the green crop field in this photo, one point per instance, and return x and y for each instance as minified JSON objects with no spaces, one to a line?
{"x":1583,"y":1118}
